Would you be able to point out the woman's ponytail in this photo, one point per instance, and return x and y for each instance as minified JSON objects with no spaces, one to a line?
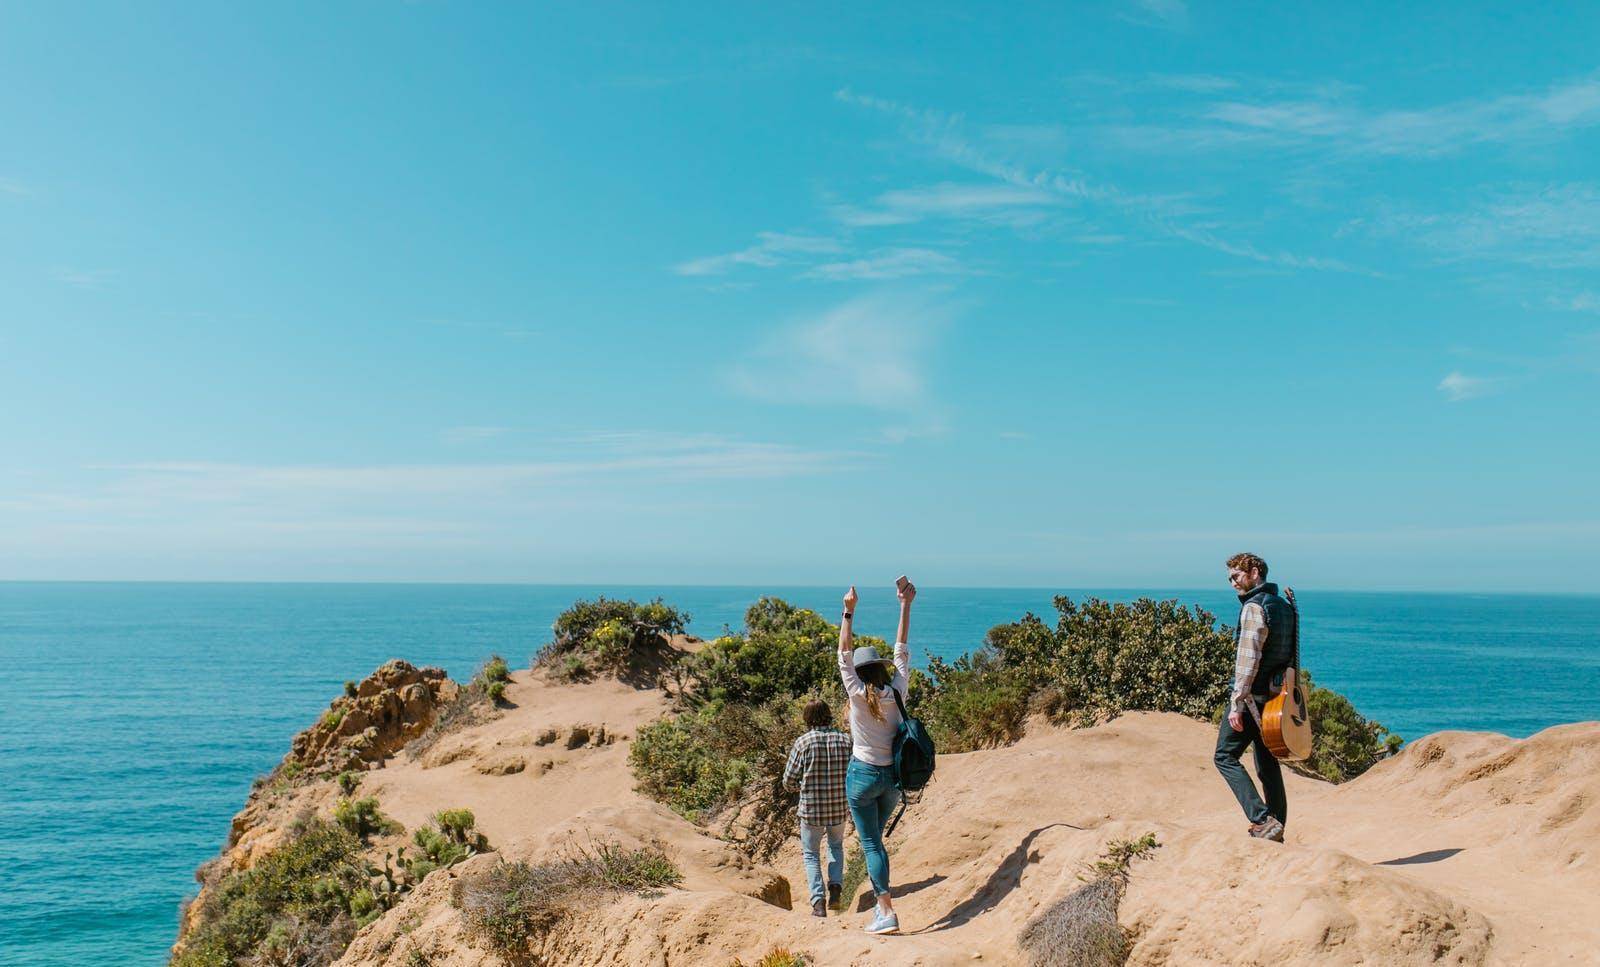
{"x":875,"y":677}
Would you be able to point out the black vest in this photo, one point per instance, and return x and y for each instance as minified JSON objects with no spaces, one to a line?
{"x":1282,"y":629}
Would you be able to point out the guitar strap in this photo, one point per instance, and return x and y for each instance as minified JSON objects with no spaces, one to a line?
{"x":1294,"y":662}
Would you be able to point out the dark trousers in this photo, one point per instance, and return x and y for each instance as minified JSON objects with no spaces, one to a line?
{"x":1230,"y":746}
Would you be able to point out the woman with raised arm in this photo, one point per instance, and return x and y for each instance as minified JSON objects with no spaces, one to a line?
{"x":869,"y":780}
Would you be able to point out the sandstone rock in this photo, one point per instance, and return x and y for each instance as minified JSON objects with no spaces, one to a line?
{"x":578,"y":737}
{"x":391,"y":707}
{"x":502,"y":765}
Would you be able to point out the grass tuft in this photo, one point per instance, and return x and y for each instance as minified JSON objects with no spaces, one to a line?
{"x":1081,"y":929}
{"x":510,"y":905}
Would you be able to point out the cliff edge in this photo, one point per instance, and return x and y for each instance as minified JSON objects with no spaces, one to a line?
{"x":1467,"y":848}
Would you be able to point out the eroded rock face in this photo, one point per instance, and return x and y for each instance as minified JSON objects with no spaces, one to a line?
{"x":392,"y":706}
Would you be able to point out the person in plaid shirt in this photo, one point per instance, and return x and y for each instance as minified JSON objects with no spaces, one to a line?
{"x":816,"y":770}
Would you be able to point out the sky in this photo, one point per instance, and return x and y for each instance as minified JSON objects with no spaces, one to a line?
{"x":1045,"y":295}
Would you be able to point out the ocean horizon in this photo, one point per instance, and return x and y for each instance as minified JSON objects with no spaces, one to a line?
{"x":140,"y":712}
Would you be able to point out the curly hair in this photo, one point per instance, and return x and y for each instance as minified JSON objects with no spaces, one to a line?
{"x":1245,"y":562}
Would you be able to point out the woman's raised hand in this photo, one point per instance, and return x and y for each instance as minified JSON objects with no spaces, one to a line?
{"x":907,"y":592}
{"x":850,"y":599}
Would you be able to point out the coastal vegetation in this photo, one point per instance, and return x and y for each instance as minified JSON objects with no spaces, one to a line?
{"x":303,"y":902}
{"x":509,"y":906}
{"x":739,"y":701}
{"x":362,"y":818}
{"x":776,"y":957}
{"x":297,"y":904}
{"x":608,"y":636}
{"x":1102,"y":659}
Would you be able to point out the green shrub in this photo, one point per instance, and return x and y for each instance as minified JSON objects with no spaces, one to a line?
{"x":495,"y":670}
{"x":496,"y":692}
{"x":608,"y":633}
{"x":350,"y":689}
{"x":784,"y":652}
{"x":1344,"y":744}
{"x":686,"y":762}
{"x":725,"y":751}
{"x":974,"y":702}
{"x":573,"y":668}
{"x":456,"y":823}
{"x":1151,"y":655}
{"x":724,"y":757}
{"x":776,"y":957}
{"x":293,"y":906}
{"x":510,"y":905}
{"x":1102,"y":659}
{"x":348,"y":781}
{"x":332,"y":717}
{"x":361,"y":817}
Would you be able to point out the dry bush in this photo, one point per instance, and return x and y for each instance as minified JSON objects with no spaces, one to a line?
{"x":1081,"y":929}
{"x":776,"y":957}
{"x":509,"y":906}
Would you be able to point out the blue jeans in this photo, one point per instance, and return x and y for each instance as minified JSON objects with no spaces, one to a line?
{"x":873,"y":796}
{"x":811,"y":845}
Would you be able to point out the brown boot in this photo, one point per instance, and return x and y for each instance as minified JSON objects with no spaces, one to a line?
{"x":1268,"y":828}
{"x":819,"y":909}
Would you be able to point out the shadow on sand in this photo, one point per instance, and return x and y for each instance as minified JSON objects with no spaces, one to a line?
{"x":1431,"y":856}
{"x":866,"y":901}
{"x":1000,"y":883}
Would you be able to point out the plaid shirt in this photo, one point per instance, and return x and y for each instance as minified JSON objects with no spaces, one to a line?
{"x":816,"y":768}
{"x":1252,"y":638}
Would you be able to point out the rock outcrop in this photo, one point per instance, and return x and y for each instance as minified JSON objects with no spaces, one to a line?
{"x":392,"y":706}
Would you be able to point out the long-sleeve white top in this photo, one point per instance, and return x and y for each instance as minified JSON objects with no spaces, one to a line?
{"x":872,"y":741}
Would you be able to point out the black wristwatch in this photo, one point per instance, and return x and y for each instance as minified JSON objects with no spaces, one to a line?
{"x":850,"y":614}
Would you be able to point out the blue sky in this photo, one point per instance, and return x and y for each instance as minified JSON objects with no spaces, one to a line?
{"x":806,"y":294}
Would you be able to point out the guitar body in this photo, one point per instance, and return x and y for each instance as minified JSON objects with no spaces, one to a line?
{"x":1285,"y":722}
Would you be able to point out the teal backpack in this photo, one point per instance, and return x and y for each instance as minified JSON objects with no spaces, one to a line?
{"x":913,"y":759}
{"x":913,"y":751}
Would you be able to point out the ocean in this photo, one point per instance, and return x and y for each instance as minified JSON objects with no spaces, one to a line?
{"x":135,"y":716}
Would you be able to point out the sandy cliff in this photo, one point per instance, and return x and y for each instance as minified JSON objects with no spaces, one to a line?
{"x":1465,"y":849}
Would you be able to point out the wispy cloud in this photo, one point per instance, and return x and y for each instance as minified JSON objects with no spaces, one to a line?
{"x":1418,"y":131}
{"x":1582,"y":302}
{"x":869,"y":351}
{"x":1549,"y":226}
{"x":771,"y":249}
{"x":1458,"y":387}
{"x":998,"y":203}
{"x":946,"y":135}
{"x":1167,"y":14}
{"x":894,"y":263}
{"x":1193,"y":83}
{"x":471,"y":434}
{"x":82,"y":278}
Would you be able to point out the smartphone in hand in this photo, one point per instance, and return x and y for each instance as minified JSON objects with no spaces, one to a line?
{"x":901,"y":582}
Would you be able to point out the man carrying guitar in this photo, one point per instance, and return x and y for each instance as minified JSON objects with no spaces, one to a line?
{"x":1266,"y":644}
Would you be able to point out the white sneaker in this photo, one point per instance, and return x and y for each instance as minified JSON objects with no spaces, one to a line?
{"x":883,"y":923}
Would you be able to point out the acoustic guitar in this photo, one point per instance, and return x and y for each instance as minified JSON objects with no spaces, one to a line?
{"x":1286,"y":722}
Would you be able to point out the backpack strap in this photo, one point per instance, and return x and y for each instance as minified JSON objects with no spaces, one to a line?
{"x":896,"y":820}
{"x":899,"y":704}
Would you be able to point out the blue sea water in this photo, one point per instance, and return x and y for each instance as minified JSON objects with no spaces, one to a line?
{"x":136,"y":715}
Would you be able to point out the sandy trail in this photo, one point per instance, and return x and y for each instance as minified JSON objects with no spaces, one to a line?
{"x":1465,"y":849}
